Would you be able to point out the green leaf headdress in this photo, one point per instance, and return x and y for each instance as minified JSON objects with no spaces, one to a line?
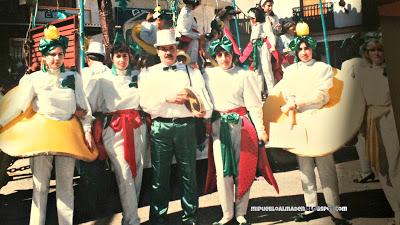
{"x":224,"y":43}
{"x":51,"y":40}
{"x":303,"y":32}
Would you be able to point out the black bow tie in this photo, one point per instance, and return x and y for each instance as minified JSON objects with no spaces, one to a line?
{"x":169,"y":67}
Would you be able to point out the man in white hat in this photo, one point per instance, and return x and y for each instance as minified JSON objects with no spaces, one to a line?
{"x":94,"y":57}
{"x":163,"y":96}
{"x":93,"y":174}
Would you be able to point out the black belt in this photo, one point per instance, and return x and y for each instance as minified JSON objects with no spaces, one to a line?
{"x":174,"y":120}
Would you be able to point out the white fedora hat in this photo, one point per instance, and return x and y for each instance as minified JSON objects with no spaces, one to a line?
{"x":96,"y":48}
{"x":165,"y":37}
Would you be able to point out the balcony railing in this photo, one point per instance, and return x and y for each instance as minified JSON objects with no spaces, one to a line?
{"x":311,"y":15}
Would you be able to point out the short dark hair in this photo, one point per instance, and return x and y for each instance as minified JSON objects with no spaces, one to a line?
{"x":96,"y":57}
{"x":120,"y":47}
{"x":259,"y":13}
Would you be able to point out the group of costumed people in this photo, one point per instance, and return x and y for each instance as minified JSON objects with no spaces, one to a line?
{"x":133,"y":107}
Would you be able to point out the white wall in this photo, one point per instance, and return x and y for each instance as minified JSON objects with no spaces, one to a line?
{"x":352,"y":18}
{"x":283,"y":9}
{"x":92,"y":5}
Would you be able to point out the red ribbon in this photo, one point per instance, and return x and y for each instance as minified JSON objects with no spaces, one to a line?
{"x":127,"y":120}
{"x":251,"y":158}
{"x":97,"y":131}
{"x":236,"y":49}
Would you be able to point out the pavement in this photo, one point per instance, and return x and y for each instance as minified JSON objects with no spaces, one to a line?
{"x":364,"y":204}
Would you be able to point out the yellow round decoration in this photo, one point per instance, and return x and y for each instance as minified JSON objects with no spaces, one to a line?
{"x":302,"y":29}
{"x":51,"y":33}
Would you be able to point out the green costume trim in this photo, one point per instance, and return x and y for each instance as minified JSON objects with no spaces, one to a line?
{"x":224,"y":43}
{"x":295,"y":43}
{"x":46,"y":45}
{"x":68,"y":82}
{"x":227,"y":151}
{"x":256,"y":43}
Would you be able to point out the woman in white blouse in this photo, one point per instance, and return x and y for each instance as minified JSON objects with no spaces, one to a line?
{"x":305,"y":86}
{"x":55,"y":94}
{"x":124,"y":133}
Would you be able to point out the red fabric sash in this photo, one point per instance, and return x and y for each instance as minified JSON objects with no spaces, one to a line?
{"x":127,"y":120}
{"x":236,"y":49}
{"x":97,"y":131}
{"x":251,"y":158}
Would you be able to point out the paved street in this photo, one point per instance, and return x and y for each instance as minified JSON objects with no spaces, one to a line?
{"x":366,"y":204}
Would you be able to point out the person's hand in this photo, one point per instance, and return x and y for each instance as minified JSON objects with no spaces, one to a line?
{"x":179,"y":98}
{"x":89,"y":140}
{"x":194,"y":66}
{"x":80,"y":113}
{"x":199,"y":114}
{"x":288,"y":106}
{"x":264,"y":137}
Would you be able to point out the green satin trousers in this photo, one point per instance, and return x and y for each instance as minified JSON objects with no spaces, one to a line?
{"x":168,"y":139}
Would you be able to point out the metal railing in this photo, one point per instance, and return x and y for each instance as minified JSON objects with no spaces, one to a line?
{"x":311,"y":15}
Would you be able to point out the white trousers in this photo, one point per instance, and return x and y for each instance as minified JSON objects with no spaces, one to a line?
{"x":41,"y":167}
{"x":128,"y":186}
{"x":225,"y":185}
{"x":328,"y":177}
{"x":365,"y":164}
{"x":389,"y":160}
{"x":265,"y":68}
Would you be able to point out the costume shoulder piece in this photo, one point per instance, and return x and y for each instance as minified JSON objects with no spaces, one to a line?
{"x":327,"y":129}
{"x":31,"y":134}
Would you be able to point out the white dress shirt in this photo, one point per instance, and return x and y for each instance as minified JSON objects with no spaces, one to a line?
{"x":156,"y":84}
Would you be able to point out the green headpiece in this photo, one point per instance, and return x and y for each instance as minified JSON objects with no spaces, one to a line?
{"x":295,"y":43}
{"x":224,"y":43}
{"x":52,"y":39}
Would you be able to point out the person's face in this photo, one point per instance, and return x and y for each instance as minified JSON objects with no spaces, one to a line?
{"x":268,"y":7}
{"x":305,"y":52}
{"x":224,"y":59}
{"x":55,"y":58}
{"x":121,"y":60}
{"x":253,"y":21}
{"x":292,"y":30}
{"x":375,"y":53}
{"x":167,"y":54}
{"x":160,"y":23}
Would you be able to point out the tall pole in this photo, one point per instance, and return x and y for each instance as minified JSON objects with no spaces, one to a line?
{"x":321,"y":11}
{"x":236,"y":25}
{"x":81,"y":34}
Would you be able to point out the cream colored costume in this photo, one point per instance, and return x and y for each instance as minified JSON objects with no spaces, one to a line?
{"x":309,"y":83}
{"x":385,"y":159}
{"x":232,"y":89}
{"x":49,"y":98}
{"x":111,"y":94}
